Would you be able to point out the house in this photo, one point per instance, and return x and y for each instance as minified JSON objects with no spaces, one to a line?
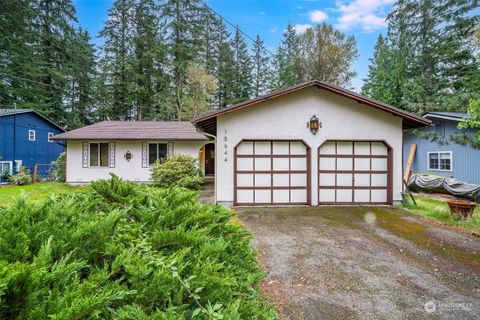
{"x":443,"y":156}
{"x":25,"y":140}
{"x":129,"y":148}
{"x":309,"y":144}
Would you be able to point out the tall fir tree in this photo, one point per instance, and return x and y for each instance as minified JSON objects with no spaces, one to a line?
{"x":243,"y":68}
{"x":284,"y":74}
{"x":261,"y":68}
{"x":183,"y":22}
{"x":117,"y":59}
{"x":435,"y":63}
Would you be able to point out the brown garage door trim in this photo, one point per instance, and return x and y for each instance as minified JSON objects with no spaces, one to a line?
{"x":272,"y":156}
{"x":389,"y":172}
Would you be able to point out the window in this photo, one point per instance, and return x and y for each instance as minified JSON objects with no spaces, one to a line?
{"x":31,"y":135}
{"x":440,"y":161}
{"x":98,"y":154}
{"x":5,"y":168}
{"x":50,"y":135}
{"x":157,"y":151}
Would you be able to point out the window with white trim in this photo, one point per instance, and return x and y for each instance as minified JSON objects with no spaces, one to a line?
{"x":5,"y":168}
{"x":50,"y":135}
{"x":440,"y":161}
{"x":31,"y":135}
{"x":157,"y":151}
{"x":98,"y":154}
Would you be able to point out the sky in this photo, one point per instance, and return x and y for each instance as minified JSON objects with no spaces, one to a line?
{"x":365,"y":19}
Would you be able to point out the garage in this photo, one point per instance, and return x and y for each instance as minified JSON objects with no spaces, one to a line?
{"x":272,"y":173}
{"x":312,"y":144}
{"x":354,"y":172}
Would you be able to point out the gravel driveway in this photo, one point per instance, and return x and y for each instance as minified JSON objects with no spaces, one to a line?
{"x":364,"y":263}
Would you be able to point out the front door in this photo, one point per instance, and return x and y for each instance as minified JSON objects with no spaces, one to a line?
{"x":209,"y":159}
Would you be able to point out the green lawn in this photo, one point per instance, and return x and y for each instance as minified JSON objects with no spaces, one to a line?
{"x":33,"y":192}
{"x":438,"y":210}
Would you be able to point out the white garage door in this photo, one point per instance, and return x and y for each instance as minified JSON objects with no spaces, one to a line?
{"x":271,"y":173}
{"x":354,"y":172}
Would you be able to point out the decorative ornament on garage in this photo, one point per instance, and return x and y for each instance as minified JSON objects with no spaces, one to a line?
{"x":314,"y":124}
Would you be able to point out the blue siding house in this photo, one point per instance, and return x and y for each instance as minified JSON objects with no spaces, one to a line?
{"x":25,"y":141}
{"x":447,"y":160}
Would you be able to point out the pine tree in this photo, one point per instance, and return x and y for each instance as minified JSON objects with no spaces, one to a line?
{"x":434,"y":62}
{"x":149,"y":52}
{"x":225,"y":72}
{"x":117,"y":58}
{"x":261,"y":68}
{"x":82,"y":91}
{"x":183,"y":22}
{"x":284,"y":60}
{"x":243,"y":68}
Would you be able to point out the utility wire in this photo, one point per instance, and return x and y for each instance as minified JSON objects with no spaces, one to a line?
{"x":235,"y":26}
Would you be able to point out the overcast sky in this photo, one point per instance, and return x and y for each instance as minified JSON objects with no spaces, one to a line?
{"x":365,"y":19}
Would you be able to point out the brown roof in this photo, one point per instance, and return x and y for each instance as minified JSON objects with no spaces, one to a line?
{"x":134,"y":130}
{"x":208,"y":121}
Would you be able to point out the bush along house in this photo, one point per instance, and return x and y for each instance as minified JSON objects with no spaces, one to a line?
{"x":309,"y":144}
{"x":443,"y":149}
{"x":26,"y":140}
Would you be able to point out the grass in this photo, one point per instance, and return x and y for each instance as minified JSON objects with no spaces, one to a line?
{"x":439,"y":211}
{"x":34,"y":192}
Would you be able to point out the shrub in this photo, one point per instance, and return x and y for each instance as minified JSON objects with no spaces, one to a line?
{"x":118,"y":250}
{"x":22,"y":177}
{"x":177,"y":170}
{"x":59,"y":174}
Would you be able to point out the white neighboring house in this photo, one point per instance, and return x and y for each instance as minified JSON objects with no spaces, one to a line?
{"x":129,"y":148}
{"x":309,"y":144}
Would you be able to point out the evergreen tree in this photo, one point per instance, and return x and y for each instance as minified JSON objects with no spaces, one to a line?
{"x":284,"y":75}
{"x":225,"y":72}
{"x":434,"y":63}
{"x":150,"y":79}
{"x":242,"y":85}
{"x":82,"y":91}
{"x":117,"y":58}
{"x":261,"y":68}
{"x":183,"y":22}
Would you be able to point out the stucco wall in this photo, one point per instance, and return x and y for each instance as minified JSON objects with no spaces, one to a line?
{"x":286,"y":117}
{"x":129,"y":170}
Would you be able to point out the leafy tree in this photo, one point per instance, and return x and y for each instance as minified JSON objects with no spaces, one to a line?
{"x":325,"y":54}
{"x":473,"y":121}
{"x":201,"y":88}
{"x":321,"y":53}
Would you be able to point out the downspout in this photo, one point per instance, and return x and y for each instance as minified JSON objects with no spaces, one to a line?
{"x":199,"y":130}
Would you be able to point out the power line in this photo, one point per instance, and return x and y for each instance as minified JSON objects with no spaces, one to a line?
{"x":235,"y":26}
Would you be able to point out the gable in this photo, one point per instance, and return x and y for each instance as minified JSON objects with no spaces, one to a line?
{"x":207,"y":122}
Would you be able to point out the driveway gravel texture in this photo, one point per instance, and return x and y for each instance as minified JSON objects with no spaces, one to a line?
{"x":364,"y":263}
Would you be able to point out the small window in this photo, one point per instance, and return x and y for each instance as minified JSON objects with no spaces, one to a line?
{"x":157,"y":151}
{"x":50,"y":135}
{"x":31,"y":135}
{"x":440,"y":161}
{"x":98,"y":154}
{"x":5,"y":168}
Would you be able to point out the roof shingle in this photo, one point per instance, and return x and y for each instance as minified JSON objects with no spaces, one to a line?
{"x":135,"y":130}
